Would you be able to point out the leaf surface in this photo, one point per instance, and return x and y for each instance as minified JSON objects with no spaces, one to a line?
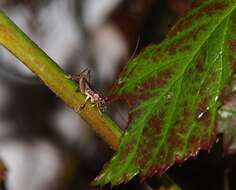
{"x":173,"y":91}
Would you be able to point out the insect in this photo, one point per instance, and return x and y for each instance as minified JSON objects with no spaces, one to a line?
{"x":85,"y":88}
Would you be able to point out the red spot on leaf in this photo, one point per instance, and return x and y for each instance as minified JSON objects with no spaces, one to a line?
{"x":158,"y":56}
{"x":126,"y":151}
{"x":155,"y":123}
{"x":200,"y":66}
{"x":158,"y":81}
{"x":147,"y":145}
{"x":213,"y":8}
{"x":144,"y":158}
{"x":172,"y":49}
{"x":197,"y":3}
{"x":232,"y":45}
{"x":185,"y":48}
{"x":233,"y":65}
{"x":207,"y":142}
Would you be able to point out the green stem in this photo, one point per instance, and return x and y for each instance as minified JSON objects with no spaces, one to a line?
{"x":54,"y":77}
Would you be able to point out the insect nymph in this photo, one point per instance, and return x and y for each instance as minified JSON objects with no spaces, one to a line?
{"x":85,"y":88}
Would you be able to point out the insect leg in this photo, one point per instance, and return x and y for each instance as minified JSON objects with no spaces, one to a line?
{"x":82,"y":105}
{"x":99,"y":111}
{"x":88,"y":74}
{"x":73,"y":77}
{"x":78,"y":77}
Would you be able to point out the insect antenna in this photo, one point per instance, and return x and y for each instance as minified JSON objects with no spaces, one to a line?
{"x":135,"y":50}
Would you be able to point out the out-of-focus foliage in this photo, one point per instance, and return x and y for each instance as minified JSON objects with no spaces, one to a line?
{"x":3,"y":171}
{"x":227,"y":121}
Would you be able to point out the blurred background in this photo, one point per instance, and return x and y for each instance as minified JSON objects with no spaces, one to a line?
{"x":43,"y":143}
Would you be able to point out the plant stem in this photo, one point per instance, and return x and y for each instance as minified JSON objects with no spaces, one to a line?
{"x":54,"y":77}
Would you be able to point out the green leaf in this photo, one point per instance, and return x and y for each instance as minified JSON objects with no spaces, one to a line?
{"x":173,"y":91}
